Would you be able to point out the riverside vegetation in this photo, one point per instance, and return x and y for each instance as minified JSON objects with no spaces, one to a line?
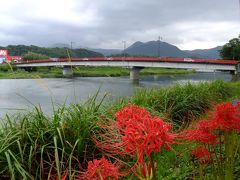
{"x":95,"y":139}
{"x":8,"y":72}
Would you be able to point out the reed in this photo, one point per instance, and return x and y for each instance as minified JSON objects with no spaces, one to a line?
{"x":181,"y":104}
{"x":35,"y":146}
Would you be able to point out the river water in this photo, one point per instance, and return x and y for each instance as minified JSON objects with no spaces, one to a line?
{"x":18,"y":95}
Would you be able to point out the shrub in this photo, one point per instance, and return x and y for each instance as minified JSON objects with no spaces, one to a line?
{"x":7,"y":67}
{"x":4,"y":67}
{"x":34,"y":56}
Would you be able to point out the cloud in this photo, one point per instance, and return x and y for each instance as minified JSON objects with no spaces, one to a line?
{"x":187,"y":24}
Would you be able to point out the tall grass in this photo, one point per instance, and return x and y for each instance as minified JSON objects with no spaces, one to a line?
{"x":182,"y":103}
{"x":36,"y":146}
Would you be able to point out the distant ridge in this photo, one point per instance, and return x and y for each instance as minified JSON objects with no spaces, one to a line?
{"x":212,"y":53}
{"x":153,"y":48}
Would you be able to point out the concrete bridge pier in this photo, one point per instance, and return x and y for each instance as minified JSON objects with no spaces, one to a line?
{"x":236,"y":73}
{"x":238,"y":68}
{"x":134,"y":73}
{"x":233,"y":72}
{"x":67,"y":71}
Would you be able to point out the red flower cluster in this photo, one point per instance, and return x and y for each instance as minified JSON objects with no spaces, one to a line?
{"x":142,"y":134}
{"x":227,"y":117}
{"x":100,"y":170}
{"x":135,"y":133}
{"x":202,"y":154}
{"x":200,"y":136}
{"x":130,"y":113}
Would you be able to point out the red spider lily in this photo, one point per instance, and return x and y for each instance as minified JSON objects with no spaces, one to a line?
{"x":129,"y":113}
{"x":147,"y":136}
{"x":203,"y":155}
{"x":135,"y":133}
{"x":227,"y":116}
{"x":100,"y":170}
{"x":207,"y":125}
{"x":199,"y":135}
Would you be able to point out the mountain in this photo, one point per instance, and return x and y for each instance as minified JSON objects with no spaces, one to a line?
{"x":212,"y":53}
{"x":154,"y":48}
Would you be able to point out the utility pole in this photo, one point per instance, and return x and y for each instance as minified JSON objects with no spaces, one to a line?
{"x":159,"y":41}
{"x":239,"y":6}
{"x":72,"y":44}
{"x":124,"y":48}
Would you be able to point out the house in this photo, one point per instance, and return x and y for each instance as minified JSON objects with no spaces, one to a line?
{"x":4,"y":57}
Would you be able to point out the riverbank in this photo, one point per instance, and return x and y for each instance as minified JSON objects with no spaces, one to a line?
{"x":43,"y":72}
{"x":36,"y":146}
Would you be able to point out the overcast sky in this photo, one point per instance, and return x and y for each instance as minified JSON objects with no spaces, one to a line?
{"x":188,"y":24}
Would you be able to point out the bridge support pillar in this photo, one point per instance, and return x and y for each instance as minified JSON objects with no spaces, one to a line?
{"x":235,"y":72}
{"x":67,"y":71}
{"x":134,"y":73}
{"x":238,"y":69}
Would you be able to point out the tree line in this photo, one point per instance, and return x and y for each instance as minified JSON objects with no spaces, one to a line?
{"x":44,"y":52}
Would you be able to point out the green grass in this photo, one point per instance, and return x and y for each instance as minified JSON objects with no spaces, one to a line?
{"x":22,"y":74}
{"x":36,"y":146}
{"x":235,"y":89}
{"x":164,"y":71}
{"x":100,"y":71}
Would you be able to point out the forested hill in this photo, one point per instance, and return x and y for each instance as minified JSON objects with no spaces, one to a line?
{"x":155,"y":48}
{"x":20,"y":50}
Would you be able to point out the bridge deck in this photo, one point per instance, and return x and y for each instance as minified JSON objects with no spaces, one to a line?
{"x":129,"y":62}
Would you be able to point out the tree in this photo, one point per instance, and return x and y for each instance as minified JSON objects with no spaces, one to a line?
{"x":231,"y":50}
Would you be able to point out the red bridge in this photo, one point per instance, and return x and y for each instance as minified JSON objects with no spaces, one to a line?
{"x":135,"y":64}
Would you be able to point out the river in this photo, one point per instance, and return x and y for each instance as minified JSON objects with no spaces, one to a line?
{"x":18,"y":95}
